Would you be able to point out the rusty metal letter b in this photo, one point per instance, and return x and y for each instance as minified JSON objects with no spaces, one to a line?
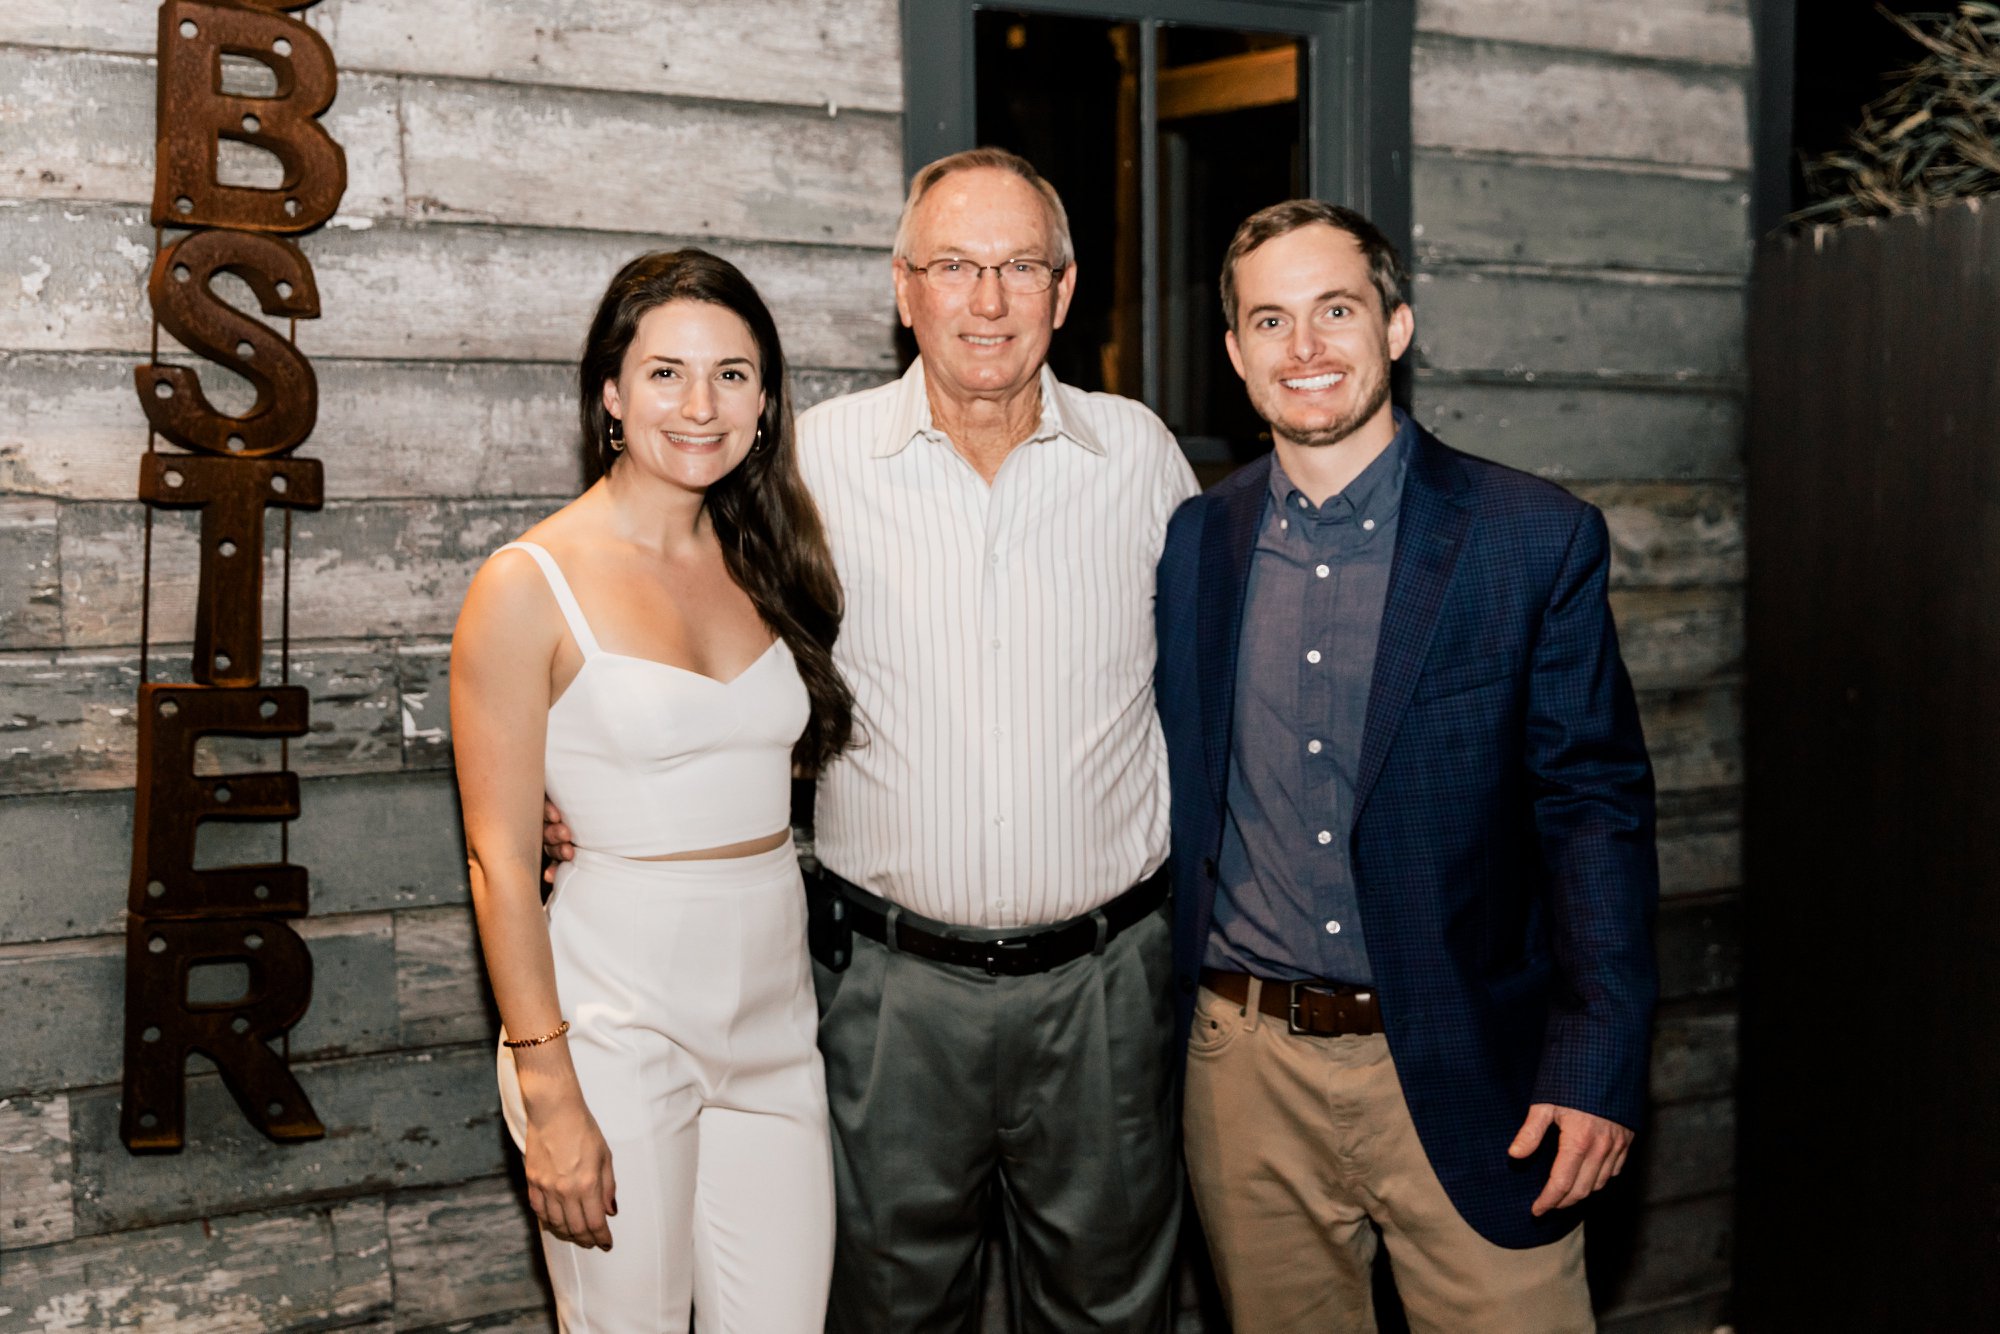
{"x":195,"y":114}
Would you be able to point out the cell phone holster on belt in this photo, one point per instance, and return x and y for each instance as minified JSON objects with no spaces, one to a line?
{"x":829,"y":929}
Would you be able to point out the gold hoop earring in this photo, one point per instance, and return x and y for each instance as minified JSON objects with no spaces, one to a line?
{"x":615,"y":435}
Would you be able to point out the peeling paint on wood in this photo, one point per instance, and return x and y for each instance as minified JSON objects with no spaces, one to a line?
{"x":69,"y":999}
{"x":67,"y":716}
{"x":1715,"y":31}
{"x":1679,"y":1247}
{"x":1701,"y":849}
{"x":69,"y":724}
{"x":1694,"y":1056}
{"x":1700,"y":948}
{"x":317,"y":1268}
{"x":1501,"y":98}
{"x":79,"y":126}
{"x":1484,"y":208}
{"x":1680,"y":637}
{"x":1540,"y":324}
{"x":633,"y":163}
{"x":371,"y":843}
{"x":423,"y":674}
{"x":415,"y":292}
{"x":821,"y":53}
{"x":1686,"y":1149}
{"x":1695,"y":737}
{"x":30,"y":583}
{"x":394,"y":1121}
{"x":36,"y":1208}
{"x":465,"y":1252}
{"x":441,"y":992}
{"x":1666,"y":534}
{"x":359,"y":568}
{"x":1573,"y":433}
{"x":70,"y":426}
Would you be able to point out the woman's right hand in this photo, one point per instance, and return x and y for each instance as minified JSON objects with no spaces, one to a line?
{"x":570,"y":1185}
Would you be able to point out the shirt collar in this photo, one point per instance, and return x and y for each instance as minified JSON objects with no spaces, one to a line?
{"x":912,"y":416}
{"x":1376,"y":493}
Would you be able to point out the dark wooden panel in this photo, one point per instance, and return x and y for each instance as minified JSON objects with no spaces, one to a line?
{"x":1871,"y":1001}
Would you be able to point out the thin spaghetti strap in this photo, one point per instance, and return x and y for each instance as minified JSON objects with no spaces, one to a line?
{"x":565,"y":599}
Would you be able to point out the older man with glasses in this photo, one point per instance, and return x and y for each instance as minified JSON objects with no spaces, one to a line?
{"x":993,"y":957}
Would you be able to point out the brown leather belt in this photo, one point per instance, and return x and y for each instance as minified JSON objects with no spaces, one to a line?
{"x":1316,"y":1009}
{"x":1036,"y":949}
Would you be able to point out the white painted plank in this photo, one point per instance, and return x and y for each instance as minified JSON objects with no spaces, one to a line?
{"x":413,"y":292}
{"x":809,"y":52}
{"x":37,"y":1207}
{"x":1484,"y":95}
{"x":369,"y":843}
{"x":68,"y":723}
{"x":623,"y":162}
{"x":464,"y":1252}
{"x":78,"y":127}
{"x":1579,"y":433}
{"x":359,"y":568}
{"x":320,"y":1267}
{"x":30,"y":586}
{"x":1713,"y":31}
{"x":1529,"y":324}
{"x":441,"y":993}
{"x":395,"y":1120}
{"x":1669,"y":535}
{"x":1475,"y":207}
{"x":71,"y":426}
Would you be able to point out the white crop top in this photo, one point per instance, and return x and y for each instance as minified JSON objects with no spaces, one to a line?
{"x":645,"y":758}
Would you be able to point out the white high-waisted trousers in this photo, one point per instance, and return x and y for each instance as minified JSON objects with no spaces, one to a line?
{"x":692,"y":1026}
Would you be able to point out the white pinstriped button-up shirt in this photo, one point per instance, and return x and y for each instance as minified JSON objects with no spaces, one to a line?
{"x":999,"y":641}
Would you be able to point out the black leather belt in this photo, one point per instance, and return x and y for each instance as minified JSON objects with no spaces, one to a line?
{"x":1034,"y":950}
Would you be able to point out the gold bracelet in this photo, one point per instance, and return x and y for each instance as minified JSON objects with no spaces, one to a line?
{"x":536,"y":1042}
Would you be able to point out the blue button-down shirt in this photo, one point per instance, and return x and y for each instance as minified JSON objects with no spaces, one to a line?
{"x":1286,"y":906}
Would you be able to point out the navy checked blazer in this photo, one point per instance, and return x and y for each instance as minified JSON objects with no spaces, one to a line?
{"x":1503,"y":838}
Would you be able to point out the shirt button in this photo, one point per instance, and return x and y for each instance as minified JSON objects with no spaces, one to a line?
{"x":1312,"y":655}
{"x":1368,"y":525}
{"x":1303,"y":504}
{"x":1333,"y":928}
{"x":1312,"y":747}
{"x":1325,"y":837}
{"x":1283,"y":524}
{"x":996,"y":643}
{"x":996,"y":558}
{"x":1321,"y":571}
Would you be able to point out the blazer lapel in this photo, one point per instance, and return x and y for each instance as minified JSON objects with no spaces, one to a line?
{"x":1429,"y":536}
{"x":1226,"y":542}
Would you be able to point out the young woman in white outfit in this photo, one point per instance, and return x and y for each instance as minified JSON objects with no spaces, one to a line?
{"x":655,"y":656}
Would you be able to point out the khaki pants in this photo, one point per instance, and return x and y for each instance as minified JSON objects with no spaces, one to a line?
{"x":1294,"y":1144}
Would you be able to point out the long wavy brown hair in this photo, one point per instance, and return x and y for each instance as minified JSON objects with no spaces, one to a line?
{"x":772,"y":540}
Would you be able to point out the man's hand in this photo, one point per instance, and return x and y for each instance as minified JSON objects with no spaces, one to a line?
{"x":1591,"y":1152}
{"x":557,"y":841}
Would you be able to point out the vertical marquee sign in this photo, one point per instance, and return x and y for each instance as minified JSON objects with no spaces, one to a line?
{"x":233,"y":469}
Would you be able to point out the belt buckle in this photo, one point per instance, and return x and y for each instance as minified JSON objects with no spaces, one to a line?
{"x":993,"y":951}
{"x":1292,"y":1010}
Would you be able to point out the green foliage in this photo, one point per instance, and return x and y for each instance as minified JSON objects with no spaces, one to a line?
{"x":1935,"y":137}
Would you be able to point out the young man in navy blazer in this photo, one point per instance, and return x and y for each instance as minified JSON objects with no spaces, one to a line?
{"x":1412,"y":833}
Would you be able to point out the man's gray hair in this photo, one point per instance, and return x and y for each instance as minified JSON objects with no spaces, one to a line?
{"x":1000,"y":159}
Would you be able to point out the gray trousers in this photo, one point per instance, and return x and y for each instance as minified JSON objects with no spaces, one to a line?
{"x":1041,"y":1105}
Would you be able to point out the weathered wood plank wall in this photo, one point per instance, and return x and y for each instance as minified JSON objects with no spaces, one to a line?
{"x":504,"y":162}
{"x":1582,"y":215}
{"x":1580,"y":194}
